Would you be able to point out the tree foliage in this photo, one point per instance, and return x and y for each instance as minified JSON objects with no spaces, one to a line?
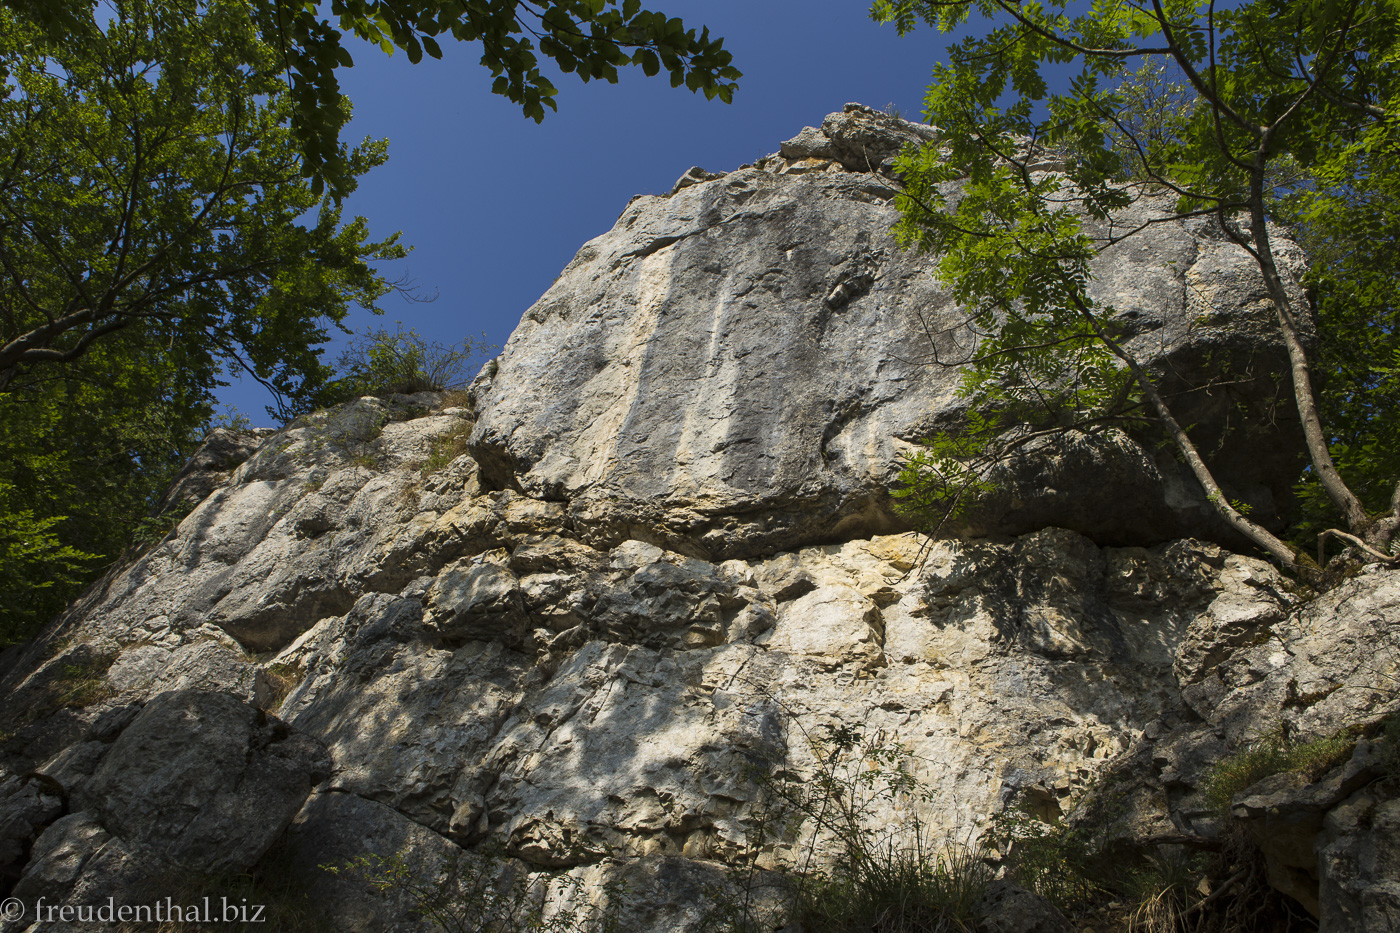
{"x":86,"y":452}
{"x":162,"y":165}
{"x":152,"y":187}
{"x":592,"y":39}
{"x":156,"y":232}
{"x":1348,"y":220}
{"x":589,"y":38}
{"x":1279,"y":100}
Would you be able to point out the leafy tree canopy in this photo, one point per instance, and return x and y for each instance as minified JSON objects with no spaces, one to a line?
{"x":155,"y":232}
{"x":85,"y":453}
{"x":589,"y":38}
{"x":1287,"y":110}
{"x":1348,"y":220}
{"x":151,"y":186}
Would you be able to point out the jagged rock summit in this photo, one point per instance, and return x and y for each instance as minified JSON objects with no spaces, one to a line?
{"x":576,"y":617}
{"x":736,"y":367}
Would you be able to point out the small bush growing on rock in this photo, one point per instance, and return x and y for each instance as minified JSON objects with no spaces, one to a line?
{"x":280,"y":680}
{"x":456,"y":398}
{"x":1166,"y":891}
{"x":384,"y":362}
{"x":1272,"y":755}
{"x":1060,"y":861}
{"x":444,"y":448}
{"x":903,"y":887}
{"x":84,"y":683}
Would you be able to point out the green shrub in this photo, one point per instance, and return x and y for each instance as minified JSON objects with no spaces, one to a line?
{"x":38,"y":572}
{"x":903,"y":887}
{"x":1060,"y":861}
{"x":446,"y":447}
{"x":282,"y":679}
{"x":384,"y":362}
{"x":230,"y":418}
{"x":1268,"y":756}
{"x":84,"y":683}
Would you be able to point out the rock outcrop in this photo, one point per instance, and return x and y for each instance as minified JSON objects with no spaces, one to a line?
{"x":734,"y":369}
{"x":1331,"y":664}
{"x":666,"y":570}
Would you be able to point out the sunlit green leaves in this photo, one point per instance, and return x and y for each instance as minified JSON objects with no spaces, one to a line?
{"x":1347,"y":215}
{"x":589,"y":38}
{"x":154,"y":178}
{"x":38,"y":572}
{"x":156,"y":234}
{"x":1251,"y":112}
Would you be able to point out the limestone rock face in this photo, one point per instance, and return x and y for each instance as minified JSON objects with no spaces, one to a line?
{"x":194,"y":781}
{"x":1248,"y":672}
{"x":188,"y":770}
{"x":736,"y":367}
{"x":666,"y":576}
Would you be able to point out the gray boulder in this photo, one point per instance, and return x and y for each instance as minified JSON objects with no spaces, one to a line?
{"x":184,"y":777}
{"x":1006,"y":907}
{"x":209,"y":467}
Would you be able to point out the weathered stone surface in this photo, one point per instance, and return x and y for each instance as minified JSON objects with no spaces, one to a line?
{"x":209,"y":467}
{"x":863,"y":139}
{"x":184,"y":776}
{"x":1249,"y":669}
{"x":693,"y":176}
{"x":1009,"y":908}
{"x":668,"y":568}
{"x":633,"y":730}
{"x":59,"y":858}
{"x":477,"y":601}
{"x":1328,"y":666}
{"x":27,"y":805}
{"x":734,"y":369}
{"x":336,"y":829}
{"x":1359,"y":861}
{"x":834,"y":624}
{"x":318,"y":515}
{"x":811,"y":143}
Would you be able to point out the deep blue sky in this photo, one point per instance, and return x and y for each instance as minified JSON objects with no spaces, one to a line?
{"x":495,"y":204}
